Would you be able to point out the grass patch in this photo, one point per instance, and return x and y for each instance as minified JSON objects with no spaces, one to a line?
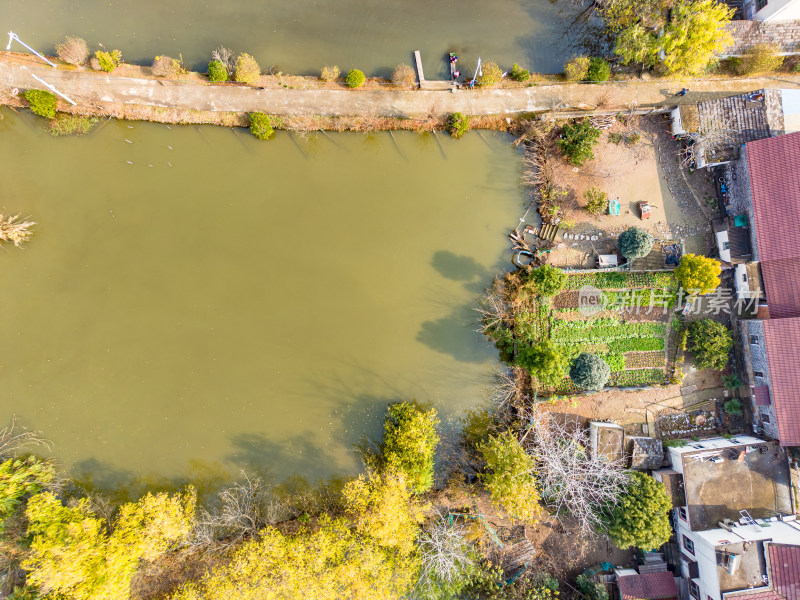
{"x":621,"y":280}
{"x":66,"y":124}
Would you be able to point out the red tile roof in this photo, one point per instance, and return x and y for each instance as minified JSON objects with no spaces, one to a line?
{"x":767,"y":595}
{"x":782,"y":342}
{"x":761,"y":394}
{"x":784,"y":567}
{"x":648,"y":586}
{"x":774,"y":168}
{"x":781,"y":280}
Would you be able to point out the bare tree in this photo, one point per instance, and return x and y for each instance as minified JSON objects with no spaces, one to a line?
{"x":14,"y":438}
{"x":445,"y":554}
{"x":226,"y":57}
{"x":495,"y":309}
{"x":712,"y":139}
{"x":572,"y":480}
{"x":244,"y":508}
{"x":73,"y":50}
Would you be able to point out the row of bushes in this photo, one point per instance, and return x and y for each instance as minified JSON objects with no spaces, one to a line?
{"x":43,"y":103}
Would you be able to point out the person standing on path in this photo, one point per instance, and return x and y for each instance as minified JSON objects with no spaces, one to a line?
{"x":682,"y":92}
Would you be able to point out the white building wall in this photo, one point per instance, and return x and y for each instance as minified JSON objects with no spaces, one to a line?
{"x":779,"y":10}
{"x":704,"y":554}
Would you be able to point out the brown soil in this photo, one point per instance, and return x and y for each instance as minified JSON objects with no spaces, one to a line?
{"x":651,"y":170}
{"x":184,"y":116}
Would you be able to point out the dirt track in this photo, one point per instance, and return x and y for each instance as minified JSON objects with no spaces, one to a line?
{"x":96,"y":89}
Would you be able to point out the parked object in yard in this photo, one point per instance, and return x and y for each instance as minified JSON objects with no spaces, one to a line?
{"x":644,"y":210}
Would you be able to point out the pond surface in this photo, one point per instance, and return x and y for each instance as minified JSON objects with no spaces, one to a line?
{"x":225,"y":301}
{"x":300,"y":36}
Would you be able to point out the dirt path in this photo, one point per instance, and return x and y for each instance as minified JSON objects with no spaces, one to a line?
{"x":96,"y":89}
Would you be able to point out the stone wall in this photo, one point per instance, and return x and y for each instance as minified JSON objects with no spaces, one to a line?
{"x":785,"y":34}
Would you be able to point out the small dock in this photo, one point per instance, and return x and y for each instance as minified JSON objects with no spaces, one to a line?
{"x":424,"y":84}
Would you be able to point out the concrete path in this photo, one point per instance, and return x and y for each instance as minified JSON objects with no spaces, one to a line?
{"x":87,"y":87}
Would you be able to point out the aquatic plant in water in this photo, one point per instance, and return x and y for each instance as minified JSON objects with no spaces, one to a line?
{"x":15,"y":231}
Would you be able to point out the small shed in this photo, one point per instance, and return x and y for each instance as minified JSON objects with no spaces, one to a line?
{"x":607,"y":440}
{"x":648,"y":586}
{"x":673,"y":482}
{"x":605,"y":261}
{"x":685,"y":119}
{"x":645,"y":453}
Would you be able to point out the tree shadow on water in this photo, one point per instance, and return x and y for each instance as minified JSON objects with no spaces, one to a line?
{"x":93,"y":476}
{"x":455,"y":335}
{"x":457,"y":267}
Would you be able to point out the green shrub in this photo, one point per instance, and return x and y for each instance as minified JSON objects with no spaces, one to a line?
{"x":761,"y":58}
{"x":591,"y":589}
{"x":733,"y":407}
{"x":548,"y":280}
{"x":73,"y":50}
{"x":42,"y":103}
{"x":330,"y":73}
{"x":599,"y":70}
{"x":247,"y":70}
{"x":731,"y":381}
{"x":217,"y":71}
{"x":508,"y":477}
{"x":518,"y":73}
{"x":635,"y":243}
{"x":596,"y":201}
{"x":261,"y":126}
{"x":577,"y":140}
{"x":589,"y":372}
{"x":108,"y":61}
{"x":710,"y":342}
{"x":355,"y":78}
{"x":641,"y":517}
{"x":675,"y":443}
{"x":576,"y":68}
{"x":457,"y":125}
{"x":545,"y":361}
{"x":66,"y":124}
{"x":491,"y":74}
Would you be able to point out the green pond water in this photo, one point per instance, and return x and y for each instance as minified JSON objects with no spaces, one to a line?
{"x":303,"y":35}
{"x":228,"y":303}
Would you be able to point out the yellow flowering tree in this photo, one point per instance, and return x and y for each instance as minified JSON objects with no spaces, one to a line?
{"x":75,"y":554}
{"x":329,"y":562}
{"x":382,"y":508}
{"x":509,"y":478}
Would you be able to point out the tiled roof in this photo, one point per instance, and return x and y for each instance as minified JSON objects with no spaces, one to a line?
{"x":766,"y":595}
{"x":773,"y":165}
{"x":782,"y":342}
{"x":741,"y":118}
{"x":784,"y":566}
{"x":761,"y":393}
{"x":648,"y":586}
{"x":781,"y":279}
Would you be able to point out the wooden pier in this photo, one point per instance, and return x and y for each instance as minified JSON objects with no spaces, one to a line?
{"x":424,"y":84}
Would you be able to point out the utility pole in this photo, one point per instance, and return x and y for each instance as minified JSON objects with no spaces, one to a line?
{"x":52,"y":87}
{"x":13,"y":36}
{"x":478,"y":71}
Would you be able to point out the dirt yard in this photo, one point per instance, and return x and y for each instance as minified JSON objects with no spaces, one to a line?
{"x":636,"y":160}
